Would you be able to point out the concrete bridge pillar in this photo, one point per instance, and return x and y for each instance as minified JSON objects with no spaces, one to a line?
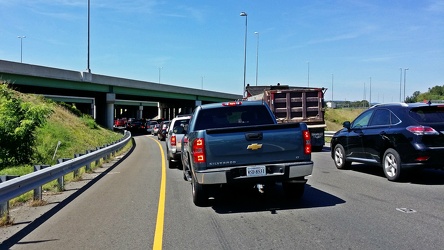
{"x":140,"y":112}
{"x":110,"y":100}
{"x":161,"y":112}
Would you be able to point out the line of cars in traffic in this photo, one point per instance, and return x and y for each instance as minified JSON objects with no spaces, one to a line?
{"x":141,"y":126}
{"x":398,"y":137}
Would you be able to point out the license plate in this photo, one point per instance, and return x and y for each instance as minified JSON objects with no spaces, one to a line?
{"x":256,"y":171}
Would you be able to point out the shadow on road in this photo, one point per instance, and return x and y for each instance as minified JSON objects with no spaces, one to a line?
{"x":235,"y":200}
{"x":420,"y":177}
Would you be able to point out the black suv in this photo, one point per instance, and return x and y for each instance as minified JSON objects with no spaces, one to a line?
{"x":397,"y":137}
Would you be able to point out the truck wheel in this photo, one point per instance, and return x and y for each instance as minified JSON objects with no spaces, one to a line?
{"x":293,"y":190}
{"x":339,"y":157}
{"x":171,"y":164}
{"x":392,"y":165}
{"x":200,"y":197}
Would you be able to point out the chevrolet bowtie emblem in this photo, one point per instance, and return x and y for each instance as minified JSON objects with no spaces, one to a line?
{"x":254,"y":146}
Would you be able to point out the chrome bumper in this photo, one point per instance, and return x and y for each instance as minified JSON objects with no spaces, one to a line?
{"x":224,"y":175}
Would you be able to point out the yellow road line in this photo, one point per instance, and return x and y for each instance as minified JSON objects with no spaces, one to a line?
{"x":158,"y":235}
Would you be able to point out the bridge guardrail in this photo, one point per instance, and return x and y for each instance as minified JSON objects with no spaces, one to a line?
{"x":22,"y":184}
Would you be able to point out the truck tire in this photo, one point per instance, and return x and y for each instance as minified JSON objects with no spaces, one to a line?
{"x":171,"y":164}
{"x":200,"y":196}
{"x":293,"y":191}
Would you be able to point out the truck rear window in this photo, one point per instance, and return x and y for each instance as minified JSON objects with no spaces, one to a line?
{"x":237,"y":116}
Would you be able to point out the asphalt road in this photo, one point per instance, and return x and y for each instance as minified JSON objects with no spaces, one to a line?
{"x":141,"y":204}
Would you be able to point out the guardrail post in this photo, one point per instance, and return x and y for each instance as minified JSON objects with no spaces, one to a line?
{"x":88,"y":166}
{"x":61,"y":179}
{"x":4,"y":206}
{"x":108,"y":156}
{"x":105,"y":156}
{"x":38,"y":190}
{"x":76,"y":172}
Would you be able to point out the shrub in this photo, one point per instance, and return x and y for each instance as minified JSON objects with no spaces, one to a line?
{"x":19,"y":119}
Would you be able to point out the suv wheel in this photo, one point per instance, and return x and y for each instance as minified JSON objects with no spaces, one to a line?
{"x":339,"y":157}
{"x":392,"y":165}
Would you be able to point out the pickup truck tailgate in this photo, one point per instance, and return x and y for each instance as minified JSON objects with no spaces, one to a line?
{"x":251,"y":145}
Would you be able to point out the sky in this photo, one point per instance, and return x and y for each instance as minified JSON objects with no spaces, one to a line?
{"x":357,"y":49}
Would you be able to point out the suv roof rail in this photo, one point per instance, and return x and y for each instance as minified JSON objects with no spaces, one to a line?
{"x":391,"y":104}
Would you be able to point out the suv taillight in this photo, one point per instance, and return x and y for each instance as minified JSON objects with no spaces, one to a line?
{"x":199,"y":150}
{"x":307,"y":142}
{"x":422,"y":130}
{"x":173,"y":140}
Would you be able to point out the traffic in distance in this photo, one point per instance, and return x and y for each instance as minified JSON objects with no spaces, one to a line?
{"x":242,"y":142}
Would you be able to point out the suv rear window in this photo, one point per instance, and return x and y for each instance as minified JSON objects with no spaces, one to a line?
{"x":233,"y":117}
{"x":429,"y":114}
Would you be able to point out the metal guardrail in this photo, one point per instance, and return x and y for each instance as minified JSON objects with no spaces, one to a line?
{"x":22,"y":184}
{"x":329,"y":133}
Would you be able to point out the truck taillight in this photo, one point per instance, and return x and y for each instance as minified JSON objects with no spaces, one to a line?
{"x":199,"y":150}
{"x":307,"y":142}
{"x":173,"y":140}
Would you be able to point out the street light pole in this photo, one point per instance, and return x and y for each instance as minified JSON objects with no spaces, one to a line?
{"x":87,"y":66}
{"x":308,"y":66}
{"x":332,"y":87}
{"x":245,"y":49}
{"x":159,"y":73}
{"x":21,"y":47}
{"x":257,"y":55}
{"x":400,"y":84}
{"x":370,"y":102}
{"x":405,"y":70}
{"x":202,"y":81}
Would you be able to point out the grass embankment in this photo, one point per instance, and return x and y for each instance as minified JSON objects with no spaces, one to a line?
{"x":76,"y":135}
{"x":335,"y":117}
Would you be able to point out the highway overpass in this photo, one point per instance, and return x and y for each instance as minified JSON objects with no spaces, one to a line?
{"x":107,"y":97}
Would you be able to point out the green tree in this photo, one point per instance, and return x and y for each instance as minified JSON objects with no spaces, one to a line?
{"x":19,"y":119}
{"x":434,"y":93}
{"x":413,"y":98}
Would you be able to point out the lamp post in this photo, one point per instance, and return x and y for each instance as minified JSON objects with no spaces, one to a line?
{"x":308,"y":73}
{"x":159,"y":73}
{"x":400,"y":84}
{"x":370,"y":98}
{"x":202,"y":81}
{"x":405,"y":70}
{"x":87,"y":64}
{"x":257,"y":55}
{"x":332,"y":87}
{"x":21,"y":47}
{"x":245,"y":49}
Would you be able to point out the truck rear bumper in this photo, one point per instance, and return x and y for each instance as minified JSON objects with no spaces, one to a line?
{"x":238,"y":174}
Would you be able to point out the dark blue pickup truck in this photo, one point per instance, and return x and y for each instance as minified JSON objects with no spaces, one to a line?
{"x":241,"y":143}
